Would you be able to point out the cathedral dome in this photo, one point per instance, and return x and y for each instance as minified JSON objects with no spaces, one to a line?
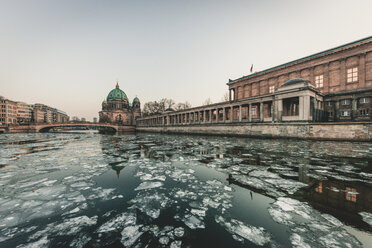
{"x":117,"y":94}
{"x":136,"y":100}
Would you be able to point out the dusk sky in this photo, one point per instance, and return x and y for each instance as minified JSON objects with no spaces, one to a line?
{"x":69,"y":54}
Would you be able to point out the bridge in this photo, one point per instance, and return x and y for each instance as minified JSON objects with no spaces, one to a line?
{"x":46,"y":127}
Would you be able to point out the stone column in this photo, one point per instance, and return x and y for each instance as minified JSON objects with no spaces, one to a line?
{"x":279,"y":109}
{"x":224,"y":114}
{"x":261,"y":112}
{"x":301,"y":108}
{"x":205,"y":116}
{"x":306,"y":109}
{"x":229,"y":94}
{"x":250,"y":112}
{"x":231,"y":113}
{"x":210,"y":115}
{"x":354,"y":107}
{"x":240,"y":113}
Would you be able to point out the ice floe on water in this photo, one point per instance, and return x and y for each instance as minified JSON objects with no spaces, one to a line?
{"x":257,"y":235}
{"x":58,"y":182}
{"x":310,"y":228}
{"x":367,"y":217}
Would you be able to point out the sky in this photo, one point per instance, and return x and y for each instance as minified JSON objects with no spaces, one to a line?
{"x":69,"y":54}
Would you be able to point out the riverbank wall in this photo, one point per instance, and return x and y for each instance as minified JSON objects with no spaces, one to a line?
{"x":361,"y":131}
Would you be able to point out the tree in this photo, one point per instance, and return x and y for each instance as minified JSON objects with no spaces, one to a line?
{"x":158,"y":107}
{"x":225,"y":97}
{"x":181,"y":106}
{"x":207,"y":102}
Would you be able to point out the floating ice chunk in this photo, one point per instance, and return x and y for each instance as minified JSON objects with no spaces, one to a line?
{"x":149,"y":185}
{"x":340,"y":238}
{"x":176,"y":244}
{"x":164,"y":240}
{"x":73,"y":225}
{"x":193,"y":222}
{"x":149,"y":177}
{"x":118,"y":222}
{"x":279,"y":216}
{"x":227,"y":188}
{"x":367,"y":217}
{"x":209,"y":202}
{"x":101,"y":194}
{"x":44,"y":193}
{"x":130,"y":234}
{"x":198,"y":212}
{"x":179,"y":232}
{"x":257,"y":235}
{"x":332,"y":220}
{"x":298,"y":241}
{"x":42,"y":242}
{"x":293,"y":206}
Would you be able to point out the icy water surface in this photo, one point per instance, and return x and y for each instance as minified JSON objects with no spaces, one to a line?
{"x":91,"y":190}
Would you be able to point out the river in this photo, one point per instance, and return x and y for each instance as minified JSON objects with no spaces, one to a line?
{"x":149,"y":190}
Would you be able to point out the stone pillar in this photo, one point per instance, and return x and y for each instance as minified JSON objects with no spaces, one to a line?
{"x":250,"y":112}
{"x":261,"y":112}
{"x":210,"y":115}
{"x":306,"y":105}
{"x":301,"y":108}
{"x":205,"y":116}
{"x":229,"y":94}
{"x":240,"y":113}
{"x":343,"y":75}
{"x":231,"y":113}
{"x":354,"y":107}
{"x":279,"y":109}
{"x":362,"y":70}
{"x":224,"y":114}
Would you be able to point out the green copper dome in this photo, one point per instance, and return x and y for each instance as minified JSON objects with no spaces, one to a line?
{"x":117,"y":94}
{"x":136,"y":99}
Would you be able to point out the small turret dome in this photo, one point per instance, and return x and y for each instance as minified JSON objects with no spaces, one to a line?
{"x":117,"y":94}
{"x":136,"y":100}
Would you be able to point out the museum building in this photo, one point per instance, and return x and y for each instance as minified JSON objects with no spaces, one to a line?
{"x":330,"y":86}
{"x":117,"y":109}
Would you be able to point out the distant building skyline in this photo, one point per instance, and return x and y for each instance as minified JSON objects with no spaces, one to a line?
{"x":70,"y":54}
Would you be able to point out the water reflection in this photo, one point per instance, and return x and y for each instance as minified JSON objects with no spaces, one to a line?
{"x":160,"y":185}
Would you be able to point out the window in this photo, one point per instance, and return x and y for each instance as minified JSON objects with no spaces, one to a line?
{"x":363,"y":112}
{"x":330,"y":114}
{"x":319,"y":189}
{"x":329,"y":104}
{"x":352,"y":75}
{"x":319,"y":81}
{"x":253,"y":111}
{"x":364,"y":100}
{"x":345,"y":113}
{"x":345,"y":102}
{"x":271,"y":89}
{"x":351,"y":194}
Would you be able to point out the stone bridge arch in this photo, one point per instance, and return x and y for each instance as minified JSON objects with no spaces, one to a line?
{"x":101,"y":127}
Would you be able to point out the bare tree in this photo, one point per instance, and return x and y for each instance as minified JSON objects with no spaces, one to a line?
{"x":158,"y":107}
{"x":182,"y":105}
{"x":207,"y":102}
{"x":225,"y":97}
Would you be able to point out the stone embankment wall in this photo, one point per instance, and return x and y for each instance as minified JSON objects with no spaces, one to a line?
{"x":317,"y":131}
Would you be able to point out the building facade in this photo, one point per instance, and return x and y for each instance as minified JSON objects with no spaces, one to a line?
{"x":8,"y":114}
{"x":24,"y":113}
{"x":330,"y":86}
{"x":117,"y":109}
{"x":13,"y":113}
